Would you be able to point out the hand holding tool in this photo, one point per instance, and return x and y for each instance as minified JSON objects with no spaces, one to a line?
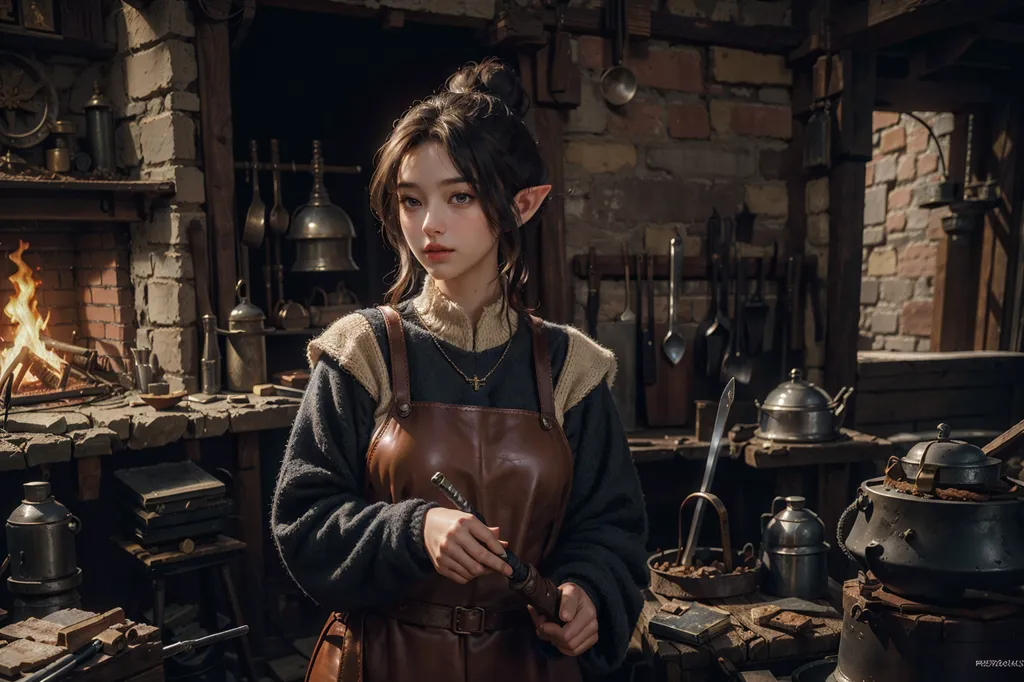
{"x":536,"y":590}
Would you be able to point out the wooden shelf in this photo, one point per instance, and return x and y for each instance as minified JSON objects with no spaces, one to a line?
{"x":18,"y":39}
{"x":77,"y":200}
{"x":694,"y":267}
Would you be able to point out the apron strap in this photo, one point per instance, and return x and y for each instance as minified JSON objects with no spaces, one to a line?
{"x":542,"y":369}
{"x":401,"y":396}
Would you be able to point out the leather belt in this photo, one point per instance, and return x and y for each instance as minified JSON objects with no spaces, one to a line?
{"x":462,"y":620}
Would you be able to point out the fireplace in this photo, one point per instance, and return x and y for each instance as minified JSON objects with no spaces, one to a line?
{"x":68,"y":320}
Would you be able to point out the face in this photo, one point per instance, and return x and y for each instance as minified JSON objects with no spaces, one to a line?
{"x":442,"y":220}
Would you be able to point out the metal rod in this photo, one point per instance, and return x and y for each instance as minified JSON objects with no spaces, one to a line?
{"x":292,"y":167}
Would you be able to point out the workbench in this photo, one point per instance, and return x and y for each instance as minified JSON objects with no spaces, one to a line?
{"x":745,"y":644}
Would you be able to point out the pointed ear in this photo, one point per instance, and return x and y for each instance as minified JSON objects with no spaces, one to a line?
{"x":529,"y":199}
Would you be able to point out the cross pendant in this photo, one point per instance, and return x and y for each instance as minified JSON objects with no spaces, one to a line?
{"x":477,"y":383}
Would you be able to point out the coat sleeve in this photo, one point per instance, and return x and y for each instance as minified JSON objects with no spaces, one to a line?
{"x":602,"y":544}
{"x":343,"y":552}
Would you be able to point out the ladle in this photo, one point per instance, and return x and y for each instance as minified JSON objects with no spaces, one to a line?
{"x":674,"y":344}
{"x":256,"y":217}
{"x":618,"y":84}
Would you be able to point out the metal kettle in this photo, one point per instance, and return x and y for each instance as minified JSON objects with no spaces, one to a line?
{"x":41,"y":543}
{"x":246,"y":344}
{"x":794,"y":554}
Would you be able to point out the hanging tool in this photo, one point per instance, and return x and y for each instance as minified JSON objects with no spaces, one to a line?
{"x":718,"y":333}
{"x":755,"y":314}
{"x":724,"y":405}
{"x":674,"y":344}
{"x":536,"y":590}
{"x":700,"y":343}
{"x":649,"y":351}
{"x":593,"y":292}
{"x":736,"y":363}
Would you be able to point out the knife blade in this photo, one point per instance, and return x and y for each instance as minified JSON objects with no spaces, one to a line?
{"x":724,"y":405}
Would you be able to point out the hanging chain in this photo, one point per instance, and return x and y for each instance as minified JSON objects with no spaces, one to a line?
{"x":826,"y":30}
{"x":970,"y":143}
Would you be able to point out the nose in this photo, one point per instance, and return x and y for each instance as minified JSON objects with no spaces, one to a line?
{"x":432,"y":224}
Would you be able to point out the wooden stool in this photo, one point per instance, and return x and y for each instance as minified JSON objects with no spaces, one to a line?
{"x":216,"y":555}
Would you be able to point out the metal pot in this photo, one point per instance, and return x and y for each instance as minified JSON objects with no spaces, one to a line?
{"x":41,"y":543}
{"x":947,"y":463}
{"x":794,"y":554}
{"x":934,"y":549}
{"x":797,"y":411}
{"x":247,"y":345}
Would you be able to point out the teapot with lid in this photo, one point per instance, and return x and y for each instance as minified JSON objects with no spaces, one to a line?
{"x":794,"y":553}
{"x":798,"y":411}
{"x":948,"y":463}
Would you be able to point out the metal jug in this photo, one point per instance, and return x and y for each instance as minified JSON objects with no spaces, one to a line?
{"x":794,"y":554}
{"x":246,"y":344}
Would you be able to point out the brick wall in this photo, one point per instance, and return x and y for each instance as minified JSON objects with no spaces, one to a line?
{"x":900,"y":238}
{"x":708,"y":129}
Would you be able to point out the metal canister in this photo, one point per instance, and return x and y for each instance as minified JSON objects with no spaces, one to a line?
{"x":99,"y":126}
{"x":794,"y":554}
{"x":211,"y":357}
{"x":246,"y":346}
{"x":41,"y":542}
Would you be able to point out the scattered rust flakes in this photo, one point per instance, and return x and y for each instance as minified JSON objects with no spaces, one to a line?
{"x":794,"y":623}
{"x":675,"y":608}
{"x":762,"y":614}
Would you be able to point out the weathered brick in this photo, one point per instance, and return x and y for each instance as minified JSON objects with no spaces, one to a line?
{"x":927,"y":164}
{"x":601,"y":157}
{"x":924,"y":345}
{"x":643,"y":118}
{"x":897,"y":290}
{"x":182,"y":101}
{"x":672,"y":69}
{"x":868,"y":291}
{"x":900,"y":344}
{"x":740,"y":66}
{"x":656,"y":200}
{"x":943,"y":124}
{"x":753,"y":120}
{"x":917,"y":219}
{"x":907,"y":168}
{"x":727,"y":198}
{"x":170,"y":302}
{"x":169,"y":225}
{"x":869,"y":173}
{"x":884,"y":321}
{"x":774,"y":95}
{"x":172,"y":264}
{"x":918,"y":260}
{"x":189,"y":183}
{"x":688,"y":121}
{"x":875,"y":205}
{"x":916,"y":318}
{"x":893,"y":140}
{"x":176,"y":349}
{"x":934,"y":231}
{"x":885,"y":169}
{"x":873,"y":236}
{"x":139,"y":28}
{"x":723,"y":10}
{"x":899,"y":198}
{"x":816,"y":195}
{"x":168,"y":66}
{"x":882,"y":262}
{"x":171,"y":136}
{"x":818,"y":229}
{"x":702,"y":160}
{"x":883,"y":119}
{"x":591,"y":50}
{"x":769,"y":199}
{"x":895,"y":222}
{"x":917,"y":141}
{"x":773,"y":164}
{"x":591,"y":116}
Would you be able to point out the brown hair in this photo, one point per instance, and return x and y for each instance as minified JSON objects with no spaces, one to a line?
{"x":477,"y":118}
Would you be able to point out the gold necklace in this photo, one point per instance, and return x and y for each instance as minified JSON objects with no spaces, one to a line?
{"x":476,"y":381}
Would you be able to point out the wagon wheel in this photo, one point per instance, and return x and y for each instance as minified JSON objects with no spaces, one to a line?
{"x":28,"y":102}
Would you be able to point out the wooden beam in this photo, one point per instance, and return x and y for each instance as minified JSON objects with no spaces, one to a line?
{"x":248,"y":497}
{"x":213,"y":45}
{"x":531,"y":233}
{"x":879,"y":23}
{"x":910,"y":96}
{"x":956,"y":280}
{"x":554,"y":283}
{"x":579,"y":21}
{"x":1003,"y":32}
{"x":846,"y":225}
{"x":941,"y":52}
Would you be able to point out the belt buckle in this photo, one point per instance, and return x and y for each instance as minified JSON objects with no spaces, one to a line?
{"x":457,"y":615}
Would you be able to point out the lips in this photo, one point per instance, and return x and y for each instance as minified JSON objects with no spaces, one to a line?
{"x":437,"y":248}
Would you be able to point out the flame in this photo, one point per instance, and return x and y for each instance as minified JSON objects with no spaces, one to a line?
{"x":23,"y":311}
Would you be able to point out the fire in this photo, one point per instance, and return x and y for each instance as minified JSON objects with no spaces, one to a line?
{"x":23,"y":311}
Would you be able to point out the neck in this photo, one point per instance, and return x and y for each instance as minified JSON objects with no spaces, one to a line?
{"x":472,"y":291}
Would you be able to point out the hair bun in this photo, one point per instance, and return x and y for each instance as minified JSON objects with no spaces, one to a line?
{"x":494,"y":78}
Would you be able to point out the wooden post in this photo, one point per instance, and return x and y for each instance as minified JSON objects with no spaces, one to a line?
{"x":846,"y":222}
{"x":213,"y":46}
{"x":248,"y":497}
{"x":554,"y":291}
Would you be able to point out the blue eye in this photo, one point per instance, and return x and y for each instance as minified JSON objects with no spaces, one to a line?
{"x":462,"y":198}
{"x":409,"y":202}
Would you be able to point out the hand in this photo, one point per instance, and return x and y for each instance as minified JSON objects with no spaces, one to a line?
{"x":580,"y":616}
{"x":460,"y":546}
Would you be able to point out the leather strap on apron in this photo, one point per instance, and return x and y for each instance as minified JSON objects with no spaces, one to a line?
{"x":462,"y":620}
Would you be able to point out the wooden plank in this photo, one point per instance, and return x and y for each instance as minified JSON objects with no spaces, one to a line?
{"x":858,"y":447}
{"x":213,"y":47}
{"x":554,"y":287}
{"x":900,"y":95}
{"x":935,"y":379}
{"x":25,"y":656}
{"x":833,"y":497}
{"x":532,"y":232}
{"x":74,"y":637}
{"x":950,"y":368}
{"x":85,"y":207}
{"x":926,"y":404}
{"x":1003,"y":447}
{"x":941,"y":52}
{"x":36,"y":629}
{"x":846,"y":233}
{"x":249,"y":501}
{"x":879,"y":23}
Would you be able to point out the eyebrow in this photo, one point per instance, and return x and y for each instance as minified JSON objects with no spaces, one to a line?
{"x":447,"y":181}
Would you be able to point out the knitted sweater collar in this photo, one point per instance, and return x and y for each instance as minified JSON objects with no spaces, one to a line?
{"x":447,"y":321}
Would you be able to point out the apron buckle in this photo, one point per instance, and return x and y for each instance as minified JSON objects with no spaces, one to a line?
{"x":468,"y":620}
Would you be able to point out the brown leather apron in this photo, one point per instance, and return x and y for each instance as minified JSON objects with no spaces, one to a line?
{"x":515,"y":467}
